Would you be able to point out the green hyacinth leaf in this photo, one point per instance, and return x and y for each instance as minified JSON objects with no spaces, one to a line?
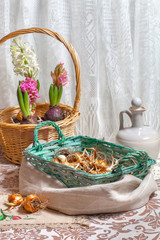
{"x":32,"y":106}
{"x":21,"y":102}
{"x":60,"y":91}
{"x":38,"y":85}
{"x":51,"y":95}
{"x":26,"y":103}
{"x":55,"y":95}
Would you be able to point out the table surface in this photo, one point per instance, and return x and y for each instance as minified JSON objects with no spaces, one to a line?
{"x":140,"y":224}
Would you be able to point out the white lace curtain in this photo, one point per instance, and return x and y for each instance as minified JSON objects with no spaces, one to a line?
{"x":118,"y":42}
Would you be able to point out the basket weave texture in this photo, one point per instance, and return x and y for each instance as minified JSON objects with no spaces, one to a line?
{"x":133,"y":162}
{"x":14,"y":138}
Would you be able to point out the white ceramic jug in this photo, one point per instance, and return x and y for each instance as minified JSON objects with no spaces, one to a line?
{"x":138,"y":136}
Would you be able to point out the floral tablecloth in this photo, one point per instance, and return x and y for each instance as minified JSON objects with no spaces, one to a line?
{"x":140,"y":224}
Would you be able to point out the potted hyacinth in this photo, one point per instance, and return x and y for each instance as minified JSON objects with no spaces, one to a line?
{"x":26,"y":64}
{"x":60,"y":79}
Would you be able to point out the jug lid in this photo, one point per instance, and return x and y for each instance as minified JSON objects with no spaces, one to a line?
{"x":137,"y":105}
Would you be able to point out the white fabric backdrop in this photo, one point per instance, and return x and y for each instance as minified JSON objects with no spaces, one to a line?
{"x":118,"y":42}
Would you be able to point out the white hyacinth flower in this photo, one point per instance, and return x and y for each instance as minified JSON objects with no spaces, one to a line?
{"x":24,"y":59}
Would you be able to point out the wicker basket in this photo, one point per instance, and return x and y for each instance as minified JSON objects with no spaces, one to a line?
{"x":132,"y":162}
{"x":15,"y":138}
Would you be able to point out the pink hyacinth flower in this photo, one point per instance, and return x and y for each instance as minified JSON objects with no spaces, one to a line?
{"x":60,"y":75}
{"x":63,"y":79}
{"x":30,"y":86}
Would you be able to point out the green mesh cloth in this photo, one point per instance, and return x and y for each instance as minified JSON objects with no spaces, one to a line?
{"x":133,"y":162}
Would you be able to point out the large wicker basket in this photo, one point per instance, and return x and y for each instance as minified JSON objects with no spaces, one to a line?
{"x":14,"y":138}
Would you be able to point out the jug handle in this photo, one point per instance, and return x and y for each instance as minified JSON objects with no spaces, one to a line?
{"x":121,"y":118}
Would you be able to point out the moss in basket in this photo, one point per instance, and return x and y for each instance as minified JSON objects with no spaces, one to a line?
{"x":26,"y":64}
{"x":60,"y":79}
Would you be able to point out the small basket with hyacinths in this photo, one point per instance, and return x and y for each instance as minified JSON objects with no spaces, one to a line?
{"x":18,"y":122}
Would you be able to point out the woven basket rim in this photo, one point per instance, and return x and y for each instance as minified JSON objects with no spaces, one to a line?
{"x":60,"y":123}
{"x":94,"y":176}
{"x":27,"y":151}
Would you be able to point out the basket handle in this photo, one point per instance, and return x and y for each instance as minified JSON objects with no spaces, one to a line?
{"x":69,"y":47}
{"x":46,"y":123}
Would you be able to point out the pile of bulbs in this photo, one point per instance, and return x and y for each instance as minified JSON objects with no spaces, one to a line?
{"x":92,"y":161}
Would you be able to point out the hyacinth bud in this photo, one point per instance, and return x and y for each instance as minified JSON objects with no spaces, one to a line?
{"x":58,"y":69}
{"x":60,"y":75}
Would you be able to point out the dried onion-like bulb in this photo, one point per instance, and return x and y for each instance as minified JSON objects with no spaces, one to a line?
{"x":17,"y":199}
{"x":14,"y":200}
{"x":32,"y":203}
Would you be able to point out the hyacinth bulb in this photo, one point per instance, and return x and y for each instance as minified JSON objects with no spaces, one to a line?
{"x":32,"y":203}
{"x":54,"y":114}
{"x":14,"y":200}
